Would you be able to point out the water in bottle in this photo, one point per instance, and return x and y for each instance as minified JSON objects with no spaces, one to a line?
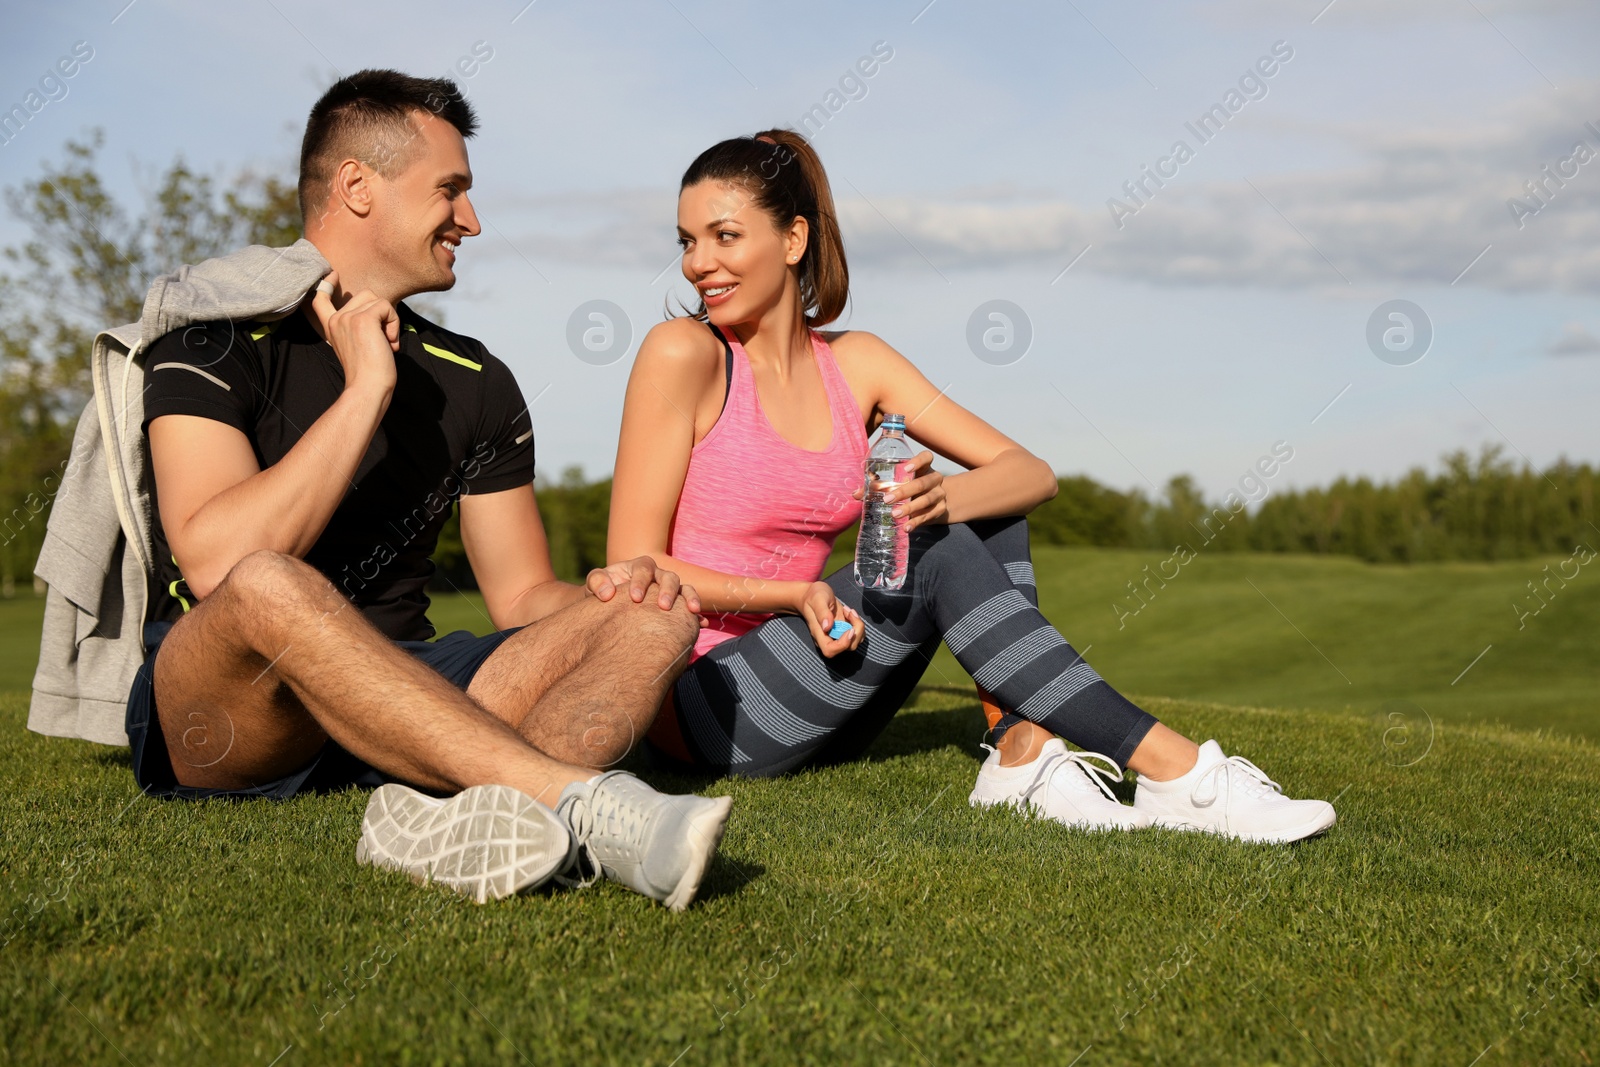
{"x":883,"y":548}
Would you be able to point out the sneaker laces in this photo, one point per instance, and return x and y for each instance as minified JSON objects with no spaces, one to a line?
{"x":1252,"y":779}
{"x":612,"y":812}
{"x":1048,"y":765}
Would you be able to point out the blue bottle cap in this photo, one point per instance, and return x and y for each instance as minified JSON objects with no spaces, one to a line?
{"x":839,"y":629}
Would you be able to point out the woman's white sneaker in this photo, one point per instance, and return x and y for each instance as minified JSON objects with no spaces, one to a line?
{"x":1058,"y":784}
{"x":1231,"y":796}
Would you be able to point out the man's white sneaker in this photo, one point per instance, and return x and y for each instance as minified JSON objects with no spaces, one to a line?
{"x":653,"y":843}
{"x":486,"y":842}
{"x":1058,"y":784}
{"x":1231,"y":796}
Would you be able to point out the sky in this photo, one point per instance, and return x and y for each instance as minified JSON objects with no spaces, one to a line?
{"x":1353,"y":154}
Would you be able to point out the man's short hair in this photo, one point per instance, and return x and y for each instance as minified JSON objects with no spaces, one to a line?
{"x":367,"y":116}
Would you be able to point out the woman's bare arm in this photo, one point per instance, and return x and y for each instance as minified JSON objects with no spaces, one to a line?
{"x":1002,"y":477}
{"x":674,"y":397}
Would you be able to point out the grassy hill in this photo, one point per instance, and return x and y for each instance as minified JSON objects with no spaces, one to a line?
{"x":1331,"y":633}
{"x":866,"y":914}
{"x":1350,"y":636}
{"x":860,"y":914}
{"x":1320,"y":632}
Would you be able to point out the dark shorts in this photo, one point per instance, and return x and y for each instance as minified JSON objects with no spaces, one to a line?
{"x":457,"y":656}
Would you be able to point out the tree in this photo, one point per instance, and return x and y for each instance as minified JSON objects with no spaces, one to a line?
{"x":1084,"y":512}
{"x":86,"y":266}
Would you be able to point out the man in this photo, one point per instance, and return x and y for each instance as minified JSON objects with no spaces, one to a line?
{"x":302,"y":471}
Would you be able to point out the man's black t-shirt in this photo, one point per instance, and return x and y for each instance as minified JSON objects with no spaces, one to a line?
{"x":456,"y":424}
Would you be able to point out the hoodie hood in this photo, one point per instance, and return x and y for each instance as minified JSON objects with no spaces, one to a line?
{"x":257,"y":283}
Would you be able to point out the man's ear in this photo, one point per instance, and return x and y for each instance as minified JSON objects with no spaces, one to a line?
{"x":352,"y":188}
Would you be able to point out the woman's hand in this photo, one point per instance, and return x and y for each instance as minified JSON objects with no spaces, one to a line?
{"x":920,"y":499}
{"x":820,"y":609}
{"x":637,"y":576}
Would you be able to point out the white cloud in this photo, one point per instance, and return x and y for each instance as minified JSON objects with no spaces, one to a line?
{"x":1416,"y":207}
{"x":1383,"y":12}
{"x":1576,"y":341}
{"x":620,"y":228}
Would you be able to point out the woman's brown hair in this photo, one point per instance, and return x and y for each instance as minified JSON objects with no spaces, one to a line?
{"x":784,"y":177}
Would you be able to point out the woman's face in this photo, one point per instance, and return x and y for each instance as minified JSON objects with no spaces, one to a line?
{"x":732,"y":254}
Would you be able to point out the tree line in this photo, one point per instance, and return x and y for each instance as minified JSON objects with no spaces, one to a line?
{"x":1482,"y":508}
{"x":1472,"y":508}
{"x":89,"y":260}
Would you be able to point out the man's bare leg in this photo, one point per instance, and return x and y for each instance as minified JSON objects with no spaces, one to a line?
{"x":585,"y":683}
{"x":251,"y":682}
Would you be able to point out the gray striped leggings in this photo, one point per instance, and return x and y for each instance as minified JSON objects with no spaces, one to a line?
{"x":768,"y":702}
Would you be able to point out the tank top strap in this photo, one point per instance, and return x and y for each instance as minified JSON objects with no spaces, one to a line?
{"x":737,"y":374}
{"x":848,"y":429}
{"x":727,"y":364}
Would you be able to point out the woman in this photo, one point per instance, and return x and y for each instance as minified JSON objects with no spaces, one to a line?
{"x":741,"y":457}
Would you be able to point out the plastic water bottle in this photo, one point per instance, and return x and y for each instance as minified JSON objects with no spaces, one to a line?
{"x":883,"y":548}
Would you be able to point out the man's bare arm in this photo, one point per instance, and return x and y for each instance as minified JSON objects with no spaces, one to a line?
{"x":510,"y":556}
{"x":218,"y":506}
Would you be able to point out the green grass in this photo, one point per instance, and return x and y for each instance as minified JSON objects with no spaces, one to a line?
{"x":1390,"y":633}
{"x":1368,"y":635}
{"x":1333,"y":633}
{"x":865,"y":914}
{"x":861,"y":914}
{"x":20,"y":619}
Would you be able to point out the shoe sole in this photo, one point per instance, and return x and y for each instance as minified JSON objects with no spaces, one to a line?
{"x":1321,"y":824}
{"x":976,"y":800}
{"x":486,"y":842}
{"x":983,"y":802}
{"x":705,"y":829}
{"x":1099,"y":827}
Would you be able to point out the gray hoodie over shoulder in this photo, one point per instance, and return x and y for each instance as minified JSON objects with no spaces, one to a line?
{"x":97,"y":545}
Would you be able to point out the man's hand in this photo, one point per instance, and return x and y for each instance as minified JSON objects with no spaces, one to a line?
{"x":364,"y":331}
{"x":921,"y":498}
{"x":638,"y":575}
{"x":820,"y":608}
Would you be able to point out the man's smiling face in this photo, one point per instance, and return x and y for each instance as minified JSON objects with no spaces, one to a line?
{"x":424,"y":212}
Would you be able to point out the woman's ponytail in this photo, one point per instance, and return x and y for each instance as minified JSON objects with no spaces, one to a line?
{"x":824,"y":274}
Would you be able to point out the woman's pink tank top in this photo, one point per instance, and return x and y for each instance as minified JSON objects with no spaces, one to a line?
{"x":755,"y":505}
